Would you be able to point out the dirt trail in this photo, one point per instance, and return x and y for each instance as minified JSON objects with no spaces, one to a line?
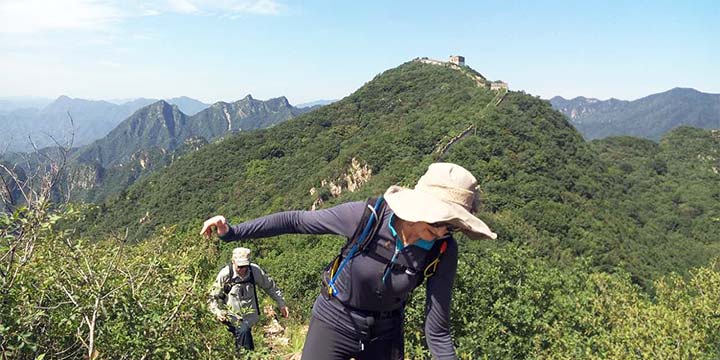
{"x":276,"y":337}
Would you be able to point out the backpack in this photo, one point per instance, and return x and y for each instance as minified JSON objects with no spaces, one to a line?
{"x":367,"y":228}
{"x":232,"y":281}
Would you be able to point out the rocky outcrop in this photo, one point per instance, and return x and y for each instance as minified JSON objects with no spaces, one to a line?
{"x":352,"y":180}
{"x":85,"y":177}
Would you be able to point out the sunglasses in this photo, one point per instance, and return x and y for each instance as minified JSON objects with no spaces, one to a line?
{"x":449,"y":227}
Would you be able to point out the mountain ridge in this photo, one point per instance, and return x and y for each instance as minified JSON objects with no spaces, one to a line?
{"x":157,"y":134}
{"x":91,"y":120}
{"x":648,"y":117}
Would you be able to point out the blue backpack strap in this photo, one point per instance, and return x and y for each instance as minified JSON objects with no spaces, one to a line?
{"x":358,"y":243}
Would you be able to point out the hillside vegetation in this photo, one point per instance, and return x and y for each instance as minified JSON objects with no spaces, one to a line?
{"x":605,"y":249}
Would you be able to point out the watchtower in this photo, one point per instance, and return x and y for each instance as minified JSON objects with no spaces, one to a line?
{"x":457,"y":60}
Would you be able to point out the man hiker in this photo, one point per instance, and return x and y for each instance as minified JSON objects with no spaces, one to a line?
{"x":233,"y":298}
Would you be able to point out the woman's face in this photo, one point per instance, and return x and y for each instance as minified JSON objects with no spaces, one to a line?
{"x":412,"y":231}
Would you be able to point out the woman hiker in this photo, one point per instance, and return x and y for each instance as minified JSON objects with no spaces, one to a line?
{"x":395,"y":243}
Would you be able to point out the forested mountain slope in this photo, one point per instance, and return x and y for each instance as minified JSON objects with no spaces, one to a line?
{"x":542,"y":185}
{"x":669,"y":197}
{"x":394,"y":126}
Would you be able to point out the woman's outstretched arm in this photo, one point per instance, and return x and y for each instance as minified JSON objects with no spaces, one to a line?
{"x":339,"y":220}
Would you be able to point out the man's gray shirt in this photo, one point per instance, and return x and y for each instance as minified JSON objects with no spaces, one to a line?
{"x":239,"y":302}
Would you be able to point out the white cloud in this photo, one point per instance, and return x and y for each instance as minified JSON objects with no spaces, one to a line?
{"x":41,"y":16}
{"x":35,"y":16}
{"x":150,"y":12}
{"x":182,"y":6}
{"x":225,"y":7}
{"x":260,"y":7}
{"x":110,"y":64}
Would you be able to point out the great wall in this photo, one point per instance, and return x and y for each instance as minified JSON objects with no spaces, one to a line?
{"x":457,"y":62}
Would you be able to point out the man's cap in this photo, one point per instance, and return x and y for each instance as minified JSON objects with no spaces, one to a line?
{"x":241,"y":256}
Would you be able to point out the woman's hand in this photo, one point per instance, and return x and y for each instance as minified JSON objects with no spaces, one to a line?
{"x":217,"y":222}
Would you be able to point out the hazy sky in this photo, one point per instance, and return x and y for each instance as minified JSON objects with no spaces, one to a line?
{"x":309,"y":50}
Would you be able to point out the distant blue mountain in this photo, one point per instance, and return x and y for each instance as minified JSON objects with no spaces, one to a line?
{"x":165,"y":126}
{"x":650,"y":117}
{"x":151,"y":137}
{"x":188,"y":106}
{"x":9,"y":104}
{"x":92,"y":120}
{"x":315,"y":103}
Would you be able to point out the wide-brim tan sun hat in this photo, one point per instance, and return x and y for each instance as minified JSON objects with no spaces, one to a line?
{"x":446,"y":193}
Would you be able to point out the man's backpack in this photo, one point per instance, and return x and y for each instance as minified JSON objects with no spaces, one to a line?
{"x":367,"y":228}
{"x":232,"y":281}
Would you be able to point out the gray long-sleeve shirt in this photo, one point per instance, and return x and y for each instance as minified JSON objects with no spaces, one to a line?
{"x":343,"y":220}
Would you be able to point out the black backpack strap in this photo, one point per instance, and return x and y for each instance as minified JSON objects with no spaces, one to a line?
{"x":227,"y":284}
{"x":252,"y":281}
